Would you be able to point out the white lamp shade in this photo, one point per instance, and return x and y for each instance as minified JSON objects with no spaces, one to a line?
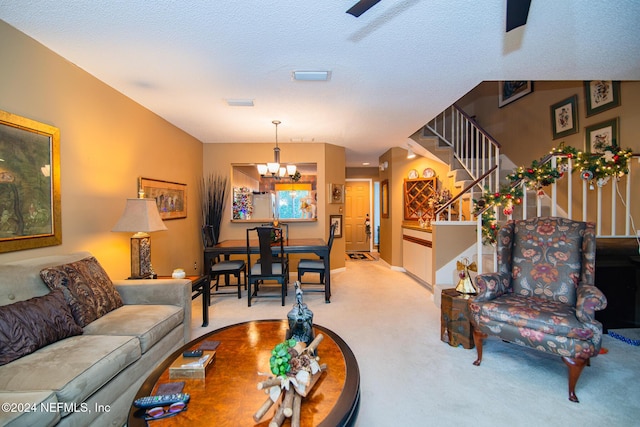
{"x":262,"y":169}
{"x":291,"y":170}
{"x":140,"y":215}
{"x":273,"y":167}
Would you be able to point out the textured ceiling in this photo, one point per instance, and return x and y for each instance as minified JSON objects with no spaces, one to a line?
{"x":392,"y":69}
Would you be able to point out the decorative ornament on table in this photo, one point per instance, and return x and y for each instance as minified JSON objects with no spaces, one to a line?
{"x":465,"y":284}
{"x":300,"y":319}
{"x":296,"y":367}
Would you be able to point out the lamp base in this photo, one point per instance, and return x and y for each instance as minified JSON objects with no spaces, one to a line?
{"x":141,"y":257}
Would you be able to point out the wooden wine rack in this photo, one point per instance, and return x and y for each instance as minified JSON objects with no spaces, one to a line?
{"x":417,"y":193}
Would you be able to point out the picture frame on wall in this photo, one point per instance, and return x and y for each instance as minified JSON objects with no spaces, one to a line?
{"x":564,"y":117}
{"x":337,"y":220}
{"x":601,"y":95}
{"x":336,"y":193}
{"x":171,"y":197}
{"x":511,"y":90}
{"x":29,"y":184}
{"x":384,"y":199}
{"x":601,"y":135}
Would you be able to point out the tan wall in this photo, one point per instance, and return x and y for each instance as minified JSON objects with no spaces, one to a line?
{"x":398,"y":171}
{"x":106,"y":142}
{"x":330,"y":160}
{"x":523,"y":127}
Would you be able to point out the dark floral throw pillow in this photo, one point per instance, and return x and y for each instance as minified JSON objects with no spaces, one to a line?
{"x":87,"y":288}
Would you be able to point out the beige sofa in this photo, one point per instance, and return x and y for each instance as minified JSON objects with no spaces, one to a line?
{"x":89,"y":378}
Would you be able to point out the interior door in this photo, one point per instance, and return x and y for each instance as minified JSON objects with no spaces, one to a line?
{"x":357,"y":204}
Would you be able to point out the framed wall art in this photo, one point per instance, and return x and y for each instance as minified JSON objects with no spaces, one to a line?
{"x":511,"y":90}
{"x":29,"y":184}
{"x":564,"y":117}
{"x":336,"y":193}
{"x":384,"y":199}
{"x":601,"y":95}
{"x":171,"y":197}
{"x":337,"y":220}
{"x":601,"y":135}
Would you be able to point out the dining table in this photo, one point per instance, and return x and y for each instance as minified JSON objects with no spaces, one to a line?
{"x":317,"y":246}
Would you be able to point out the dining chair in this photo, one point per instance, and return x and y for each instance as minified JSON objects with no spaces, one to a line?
{"x":267,"y":265}
{"x":315,"y":266}
{"x":219,"y":267}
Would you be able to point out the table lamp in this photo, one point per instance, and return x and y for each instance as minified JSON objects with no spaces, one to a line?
{"x":140,"y":216}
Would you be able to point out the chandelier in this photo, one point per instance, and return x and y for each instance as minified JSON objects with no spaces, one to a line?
{"x":275,"y":169}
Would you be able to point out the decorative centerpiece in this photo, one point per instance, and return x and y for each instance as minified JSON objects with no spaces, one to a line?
{"x":295,"y":365}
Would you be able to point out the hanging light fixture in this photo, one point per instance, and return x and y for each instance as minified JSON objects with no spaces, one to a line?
{"x":274,"y":168}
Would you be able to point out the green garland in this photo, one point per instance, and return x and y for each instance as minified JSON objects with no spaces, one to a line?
{"x":609,"y":161}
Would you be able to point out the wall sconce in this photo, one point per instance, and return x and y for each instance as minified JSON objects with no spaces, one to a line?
{"x":383,"y":166}
{"x":410,"y":153}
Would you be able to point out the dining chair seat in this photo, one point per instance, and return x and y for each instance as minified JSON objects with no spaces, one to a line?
{"x":228,"y":268}
{"x":315,"y":265}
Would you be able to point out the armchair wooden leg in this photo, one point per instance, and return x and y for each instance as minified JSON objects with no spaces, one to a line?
{"x":575,"y":369}
{"x":478,"y":338}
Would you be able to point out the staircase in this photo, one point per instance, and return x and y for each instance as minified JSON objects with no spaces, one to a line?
{"x":476,"y":166}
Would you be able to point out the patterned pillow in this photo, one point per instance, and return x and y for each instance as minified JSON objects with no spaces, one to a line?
{"x":87,"y":288}
{"x":26,"y":326}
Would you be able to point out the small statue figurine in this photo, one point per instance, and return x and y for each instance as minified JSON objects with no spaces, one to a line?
{"x":300,"y":319}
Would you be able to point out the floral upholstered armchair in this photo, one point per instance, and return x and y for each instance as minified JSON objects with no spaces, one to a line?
{"x":543,"y":294}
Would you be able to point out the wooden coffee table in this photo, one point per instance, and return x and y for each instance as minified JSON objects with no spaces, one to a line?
{"x":228,"y":396}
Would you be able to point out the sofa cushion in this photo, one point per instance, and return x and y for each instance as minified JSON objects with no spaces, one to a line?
{"x":36,"y":400}
{"x":150,"y":323}
{"x":74,"y":368}
{"x":26,"y":326}
{"x":20,"y":280}
{"x":88,"y":289}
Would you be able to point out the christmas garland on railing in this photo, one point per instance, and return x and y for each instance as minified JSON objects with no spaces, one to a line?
{"x":610,"y":161}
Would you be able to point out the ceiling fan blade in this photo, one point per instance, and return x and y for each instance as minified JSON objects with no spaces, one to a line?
{"x":517,"y":13}
{"x":361,"y":7}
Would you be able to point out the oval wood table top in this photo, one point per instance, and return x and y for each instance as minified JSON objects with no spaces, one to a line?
{"x":228,"y":396}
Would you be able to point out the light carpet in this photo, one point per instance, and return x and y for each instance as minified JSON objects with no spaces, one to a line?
{"x":411,"y":378}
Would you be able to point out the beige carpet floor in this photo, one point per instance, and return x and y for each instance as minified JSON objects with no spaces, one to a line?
{"x":411,"y":378}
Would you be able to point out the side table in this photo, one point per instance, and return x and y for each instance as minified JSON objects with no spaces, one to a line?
{"x":199,"y":286}
{"x":455,"y":326}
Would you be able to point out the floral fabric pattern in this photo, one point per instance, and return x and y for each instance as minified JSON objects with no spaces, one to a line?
{"x":543,"y":294}
{"x":547,"y":258}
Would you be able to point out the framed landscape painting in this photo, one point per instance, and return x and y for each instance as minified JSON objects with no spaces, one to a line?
{"x":30,"y":212}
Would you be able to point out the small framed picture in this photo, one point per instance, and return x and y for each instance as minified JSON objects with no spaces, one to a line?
{"x":337,"y":220}
{"x":336,"y":193}
{"x":384,"y":199}
{"x":601,"y":95}
{"x":510,"y":90}
{"x":564,"y":117}
{"x":601,"y":136}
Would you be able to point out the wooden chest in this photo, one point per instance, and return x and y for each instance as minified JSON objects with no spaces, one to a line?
{"x":455,"y":326}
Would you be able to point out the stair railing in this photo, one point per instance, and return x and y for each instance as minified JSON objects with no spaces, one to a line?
{"x":561,"y":199}
{"x":473,"y":147}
